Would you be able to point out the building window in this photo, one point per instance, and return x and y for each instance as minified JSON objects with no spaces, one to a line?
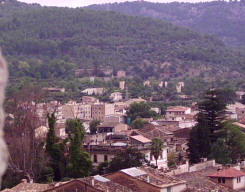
{"x":169,"y":189}
{"x":238,"y":179}
{"x":219,"y":180}
{"x":105,"y":158}
{"x":95,"y":158}
{"x":223,"y":180}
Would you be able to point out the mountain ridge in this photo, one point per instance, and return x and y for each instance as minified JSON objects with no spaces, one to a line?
{"x":217,"y":17}
{"x":48,"y":42}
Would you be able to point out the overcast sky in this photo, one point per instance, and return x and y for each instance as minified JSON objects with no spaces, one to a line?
{"x":80,"y":3}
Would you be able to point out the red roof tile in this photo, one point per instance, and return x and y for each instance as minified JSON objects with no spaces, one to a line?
{"x":228,"y":173}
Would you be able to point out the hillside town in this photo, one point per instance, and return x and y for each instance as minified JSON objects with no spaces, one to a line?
{"x":170,"y":171}
{"x":125,"y":96}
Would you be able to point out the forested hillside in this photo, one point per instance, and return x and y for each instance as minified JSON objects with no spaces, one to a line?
{"x":49,"y":43}
{"x":222,"y":18}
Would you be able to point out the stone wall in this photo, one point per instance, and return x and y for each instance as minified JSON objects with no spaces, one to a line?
{"x":185,"y":168}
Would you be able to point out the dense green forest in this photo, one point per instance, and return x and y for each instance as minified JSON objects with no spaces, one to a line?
{"x":49,"y":42}
{"x":222,"y":18}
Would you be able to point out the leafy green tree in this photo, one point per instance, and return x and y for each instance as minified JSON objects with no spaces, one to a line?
{"x":93,"y":126}
{"x":102,"y":168}
{"x":138,"y":123}
{"x":141,"y":109}
{"x":171,"y":159}
{"x":235,"y":139}
{"x":156,"y":148}
{"x":72,"y":125}
{"x":55,"y":150}
{"x":79,"y":163}
{"x":130,"y":157}
{"x":228,"y":95}
{"x":221,"y":152}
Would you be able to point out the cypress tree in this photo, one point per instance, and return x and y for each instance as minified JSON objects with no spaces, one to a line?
{"x":51,"y":137}
{"x":55,"y":150}
{"x":79,"y":164}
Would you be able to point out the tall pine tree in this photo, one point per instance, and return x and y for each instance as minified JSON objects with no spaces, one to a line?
{"x":209,"y":126}
{"x":213,"y":109}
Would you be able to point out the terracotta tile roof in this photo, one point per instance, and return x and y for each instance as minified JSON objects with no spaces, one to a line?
{"x":198,"y":181}
{"x":147,"y":175}
{"x":158,"y":178}
{"x":141,"y":138}
{"x":228,"y":173}
{"x":28,"y":187}
{"x":104,"y":184}
{"x":182,"y":133}
{"x":150,"y":131}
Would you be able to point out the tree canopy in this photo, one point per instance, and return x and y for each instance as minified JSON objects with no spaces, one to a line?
{"x":156,"y":148}
{"x":131,"y":157}
{"x":142,"y":110}
{"x":213,"y":136}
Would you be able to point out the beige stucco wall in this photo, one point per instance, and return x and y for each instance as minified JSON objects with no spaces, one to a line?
{"x":240,"y":185}
{"x":228,"y":182}
{"x":121,"y":127}
{"x":98,"y":111}
{"x":109,"y":109}
{"x":100,"y":158}
{"x":162,"y":161}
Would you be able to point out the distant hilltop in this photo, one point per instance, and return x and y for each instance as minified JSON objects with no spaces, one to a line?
{"x":225,"y":19}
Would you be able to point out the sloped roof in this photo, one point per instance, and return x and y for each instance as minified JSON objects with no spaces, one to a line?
{"x":150,"y":131}
{"x":228,"y":173}
{"x":108,"y":124}
{"x":28,"y":187}
{"x":182,"y":133}
{"x":101,"y":179}
{"x":177,"y":108}
{"x":141,"y":138}
{"x":134,"y":172}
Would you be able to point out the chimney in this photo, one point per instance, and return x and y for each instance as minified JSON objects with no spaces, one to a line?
{"x":148,"y":179}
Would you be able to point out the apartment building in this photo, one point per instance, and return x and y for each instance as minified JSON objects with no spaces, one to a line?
{"x":100,"y":110}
